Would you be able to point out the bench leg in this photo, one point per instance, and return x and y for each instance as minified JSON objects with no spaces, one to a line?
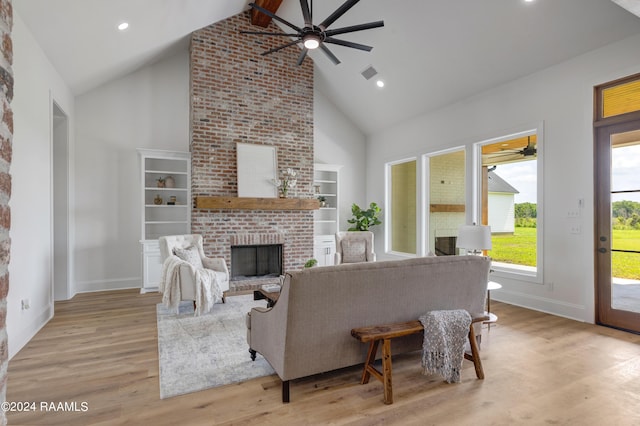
{"x":386,"y":371}
{"x":475,"y":353}
{"x":385,"y":375}
{"x":371,"y":357}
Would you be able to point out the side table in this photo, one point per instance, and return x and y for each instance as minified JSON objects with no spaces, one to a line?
{"x":491,"y":285}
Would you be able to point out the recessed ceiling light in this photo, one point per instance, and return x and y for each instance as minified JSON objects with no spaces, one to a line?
{"x":380,"y":83}
{"x":529,"y":1}
{"x":123,"y":26}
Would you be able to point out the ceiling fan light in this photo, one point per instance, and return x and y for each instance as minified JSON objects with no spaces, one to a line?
{"x":311,"y":42}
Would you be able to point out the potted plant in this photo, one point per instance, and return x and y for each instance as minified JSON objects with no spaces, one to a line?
{"x":310,"y":263}
{"x":362,"y":220}
{"x":161,"y":182}
{"x":323,"y":201}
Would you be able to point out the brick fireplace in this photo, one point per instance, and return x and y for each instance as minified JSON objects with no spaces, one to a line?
{"x":237,"y":95}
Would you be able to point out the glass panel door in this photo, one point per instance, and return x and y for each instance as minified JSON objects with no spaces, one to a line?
{"x":625,"y":209}
{"x":618,"y":225}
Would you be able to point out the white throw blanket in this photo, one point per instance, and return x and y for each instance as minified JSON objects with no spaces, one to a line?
{"x":445,"y":334}
{"x":208,"y":291}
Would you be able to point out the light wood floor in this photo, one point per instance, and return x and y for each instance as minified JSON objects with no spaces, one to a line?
{"x":101,"y":349}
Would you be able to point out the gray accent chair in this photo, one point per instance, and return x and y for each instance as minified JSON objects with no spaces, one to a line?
{"x":354,"y":247}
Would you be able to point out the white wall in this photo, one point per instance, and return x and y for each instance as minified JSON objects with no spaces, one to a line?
{"x":36,"y":84}
{"x":562,"y":98}
{"x":338,"y":141}
{"x":146,"y":109}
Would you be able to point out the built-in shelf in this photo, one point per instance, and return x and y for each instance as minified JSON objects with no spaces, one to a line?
{"x":250,"y":203}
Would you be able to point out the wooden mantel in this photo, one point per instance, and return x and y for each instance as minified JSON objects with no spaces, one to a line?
{"x":248,"y":203}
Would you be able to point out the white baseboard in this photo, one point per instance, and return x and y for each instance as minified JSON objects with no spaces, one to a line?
{"x":542,"y":304}
{"x":106,"y":285}
{"x":24,"y":335}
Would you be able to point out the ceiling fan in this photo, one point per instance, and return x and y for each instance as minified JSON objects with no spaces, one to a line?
{"x":527,"y":151}
{"x":499,"y":155}
{"x":313,"y":36}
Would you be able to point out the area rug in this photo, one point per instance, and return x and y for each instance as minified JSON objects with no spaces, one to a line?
{"x":206,"y":351}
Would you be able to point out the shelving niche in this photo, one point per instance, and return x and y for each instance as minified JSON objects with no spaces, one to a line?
{"x":326,"y":179}
{"x":158,"y":217}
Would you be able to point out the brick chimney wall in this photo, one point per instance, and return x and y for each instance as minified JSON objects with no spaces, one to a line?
{"x":6,"y":136}
{"x":237,"y":95}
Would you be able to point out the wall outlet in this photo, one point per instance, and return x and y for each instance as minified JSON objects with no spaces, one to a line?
{"x":576,"y":228}
{"x":550,"y":286}
{"x":26,"y":304}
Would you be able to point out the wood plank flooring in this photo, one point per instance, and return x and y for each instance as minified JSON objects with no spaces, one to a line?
{"x":101,"y":348}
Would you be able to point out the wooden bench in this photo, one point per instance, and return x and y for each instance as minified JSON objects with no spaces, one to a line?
{"x":375,"y":334}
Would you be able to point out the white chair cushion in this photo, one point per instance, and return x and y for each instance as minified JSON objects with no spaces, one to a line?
{"x":354,"y":251}
{"x":189,"y":254}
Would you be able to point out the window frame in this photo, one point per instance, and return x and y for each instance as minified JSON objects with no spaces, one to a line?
{"x":505,"y":270}
{"x":389,"y":213}
{"x":426,"y":191}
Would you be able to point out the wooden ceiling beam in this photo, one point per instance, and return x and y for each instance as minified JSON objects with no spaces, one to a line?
{"x":259,"y":18}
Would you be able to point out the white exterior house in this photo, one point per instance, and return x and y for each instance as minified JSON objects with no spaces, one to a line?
{"x":501,"y":205}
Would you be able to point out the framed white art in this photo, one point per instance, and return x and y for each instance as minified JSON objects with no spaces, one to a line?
{"x":257,"y":166}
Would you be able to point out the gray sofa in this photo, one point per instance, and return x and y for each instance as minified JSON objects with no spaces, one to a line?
{"x":308,"y":331}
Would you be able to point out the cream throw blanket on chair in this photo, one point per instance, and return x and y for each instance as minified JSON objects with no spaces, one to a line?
{"x":445,"y":334}
{"x":208,"y":291}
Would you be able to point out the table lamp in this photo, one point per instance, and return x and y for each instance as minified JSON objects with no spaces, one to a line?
{"x":474,"y":238}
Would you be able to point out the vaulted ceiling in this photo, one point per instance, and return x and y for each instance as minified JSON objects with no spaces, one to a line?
{"x":429,"y":53}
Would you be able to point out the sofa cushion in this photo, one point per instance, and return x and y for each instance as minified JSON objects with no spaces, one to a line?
{"x":354,"y":251}
{"x":189,"y":254}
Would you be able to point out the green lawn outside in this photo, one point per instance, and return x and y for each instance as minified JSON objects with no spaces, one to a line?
{"x":519,"y":248}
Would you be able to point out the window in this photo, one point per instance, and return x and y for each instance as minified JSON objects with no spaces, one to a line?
{"x":401,"y":207}
{"x":446,"y":200}
{"x":509,"y":199}
{"x":621,"y":97}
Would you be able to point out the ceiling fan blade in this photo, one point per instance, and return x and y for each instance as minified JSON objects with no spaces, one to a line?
{"x":338,"y":13}
{"x":330,"y":55}
{"x":275,"y":49}
{"x":354,"y":28}
{"x":270,"y":34}
{"x":303,"y":55}
{"x":274,"y":16}
{"x":306,"y":13}
{"x":348,"y":44}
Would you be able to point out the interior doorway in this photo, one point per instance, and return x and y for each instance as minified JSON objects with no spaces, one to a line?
{"x":60,"y":207}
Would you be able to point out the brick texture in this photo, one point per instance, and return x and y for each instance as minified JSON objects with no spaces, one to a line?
{"x":6,"y":137}
{"x":237,"y":95}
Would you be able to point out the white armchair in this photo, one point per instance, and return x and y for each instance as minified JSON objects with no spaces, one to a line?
{"x":188,"y":271}
{"x":354,"y":246}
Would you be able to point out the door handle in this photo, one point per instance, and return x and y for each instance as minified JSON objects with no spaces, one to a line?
{"x":602,"y":250}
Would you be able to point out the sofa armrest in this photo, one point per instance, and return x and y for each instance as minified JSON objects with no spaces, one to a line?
{"x":217,"y":264}
{"x":267,"y":329}
{"x":337,"y":258}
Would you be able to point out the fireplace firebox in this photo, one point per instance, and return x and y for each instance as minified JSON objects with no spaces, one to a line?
{"x":446,"y":246}
{"x":253,"y":261}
